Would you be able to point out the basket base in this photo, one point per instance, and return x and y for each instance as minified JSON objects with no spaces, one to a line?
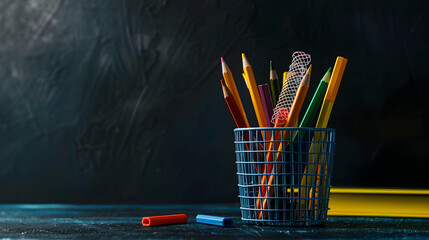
{"x":294,"y":223}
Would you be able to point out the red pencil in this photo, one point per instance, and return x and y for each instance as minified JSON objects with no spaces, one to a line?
{"x":233,"y":107}
{"x":240,"y":122}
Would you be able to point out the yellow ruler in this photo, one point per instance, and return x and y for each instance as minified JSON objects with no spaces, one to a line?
{"x":373,"y":202}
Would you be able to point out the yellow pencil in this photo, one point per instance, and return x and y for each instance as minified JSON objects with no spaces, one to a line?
{"x":254,"y":92}
{"x":245,"y":80}
{"x":230,"y":83}
{"x":322,"y":122}
{"x":284,"y":78}
{"x":331,"y":93}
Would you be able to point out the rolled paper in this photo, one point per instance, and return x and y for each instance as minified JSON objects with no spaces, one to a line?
{"x":214,"y":220}
{"x":164,"y":220}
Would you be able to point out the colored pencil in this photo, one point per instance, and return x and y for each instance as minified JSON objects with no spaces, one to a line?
{"x":230,"y":83}
{"x":299,"y":99}
{"x":264,"y":91}
{"x":291,"y":121}
{"x":322,"y":122}
{"x":297,"y":104}
{"x":281,"y":123}
{"x":232,"y":105}
{"x":239,"y":121}
{"x":316,"y":101}
{"x":284,"y":78}
{"x":254,"y":94}
{"x":274,"y":84}
{"x":331,"y":92}
{"x":245,"y":79}
{"x":270,"y":105}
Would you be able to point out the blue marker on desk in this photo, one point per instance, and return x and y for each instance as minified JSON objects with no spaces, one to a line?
{"x":214,"y":220}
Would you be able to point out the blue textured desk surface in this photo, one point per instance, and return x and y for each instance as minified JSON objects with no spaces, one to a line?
{"x":63,"y":221}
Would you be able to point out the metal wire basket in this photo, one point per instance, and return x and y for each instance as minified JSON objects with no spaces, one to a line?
{"x":284,"y":174}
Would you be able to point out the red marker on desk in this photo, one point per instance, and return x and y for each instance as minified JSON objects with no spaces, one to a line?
{"x":164,"y":220}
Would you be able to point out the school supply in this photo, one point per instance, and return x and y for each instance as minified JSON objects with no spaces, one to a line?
{"x":267,"y":104}
{"x":316,"y":100}
{"x":378,"y":202}
{"x":282,"y":203}
{"x":232,"y":105}
{"x":238,"y":118}
{"x":291,"y":122}
{"x":214,"y":220}
{"x":284,"y":172}
{"x":297,"y":70}
{"x":164,"y":220}
{"x":299,"y":61}
{"x":284,"y":78}
{"x":230,"y":83}
{"x":274,"y":84}
{"x":307,"y":182}
{"x":254,"y":94}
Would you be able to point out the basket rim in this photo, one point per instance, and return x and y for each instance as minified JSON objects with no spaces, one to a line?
{"x":285,"y":128}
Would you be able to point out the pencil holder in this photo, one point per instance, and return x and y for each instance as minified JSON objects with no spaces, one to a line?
{"x":284,"y":174}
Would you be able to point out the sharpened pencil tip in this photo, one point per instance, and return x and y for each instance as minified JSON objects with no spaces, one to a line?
{"x":306,"y":80}
{"x":309,"y":69}
{"x":225,"y":67}
{"x":327,"y":77}
{"x":225,"y":90}
{"x":245,"y":61}
{"x":271,"y":65}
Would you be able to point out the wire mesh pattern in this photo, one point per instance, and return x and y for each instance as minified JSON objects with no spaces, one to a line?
{"x":297,"y":70}
{"x":299,"y":174}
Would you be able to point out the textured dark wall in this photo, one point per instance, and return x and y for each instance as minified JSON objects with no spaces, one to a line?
{"x":119,"y":101}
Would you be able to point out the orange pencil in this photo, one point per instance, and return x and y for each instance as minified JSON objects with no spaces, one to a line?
{"x":286,"y":124}
{"x":230,"y":83}
{"x":291,"y":122}
{"x":281,"y":123}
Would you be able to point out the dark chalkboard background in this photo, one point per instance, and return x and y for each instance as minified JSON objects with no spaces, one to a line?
{"x":120,"y":101}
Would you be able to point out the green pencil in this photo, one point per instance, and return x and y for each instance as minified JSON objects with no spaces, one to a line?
{"x":274,"y":84}
{"x":316,"y":100}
